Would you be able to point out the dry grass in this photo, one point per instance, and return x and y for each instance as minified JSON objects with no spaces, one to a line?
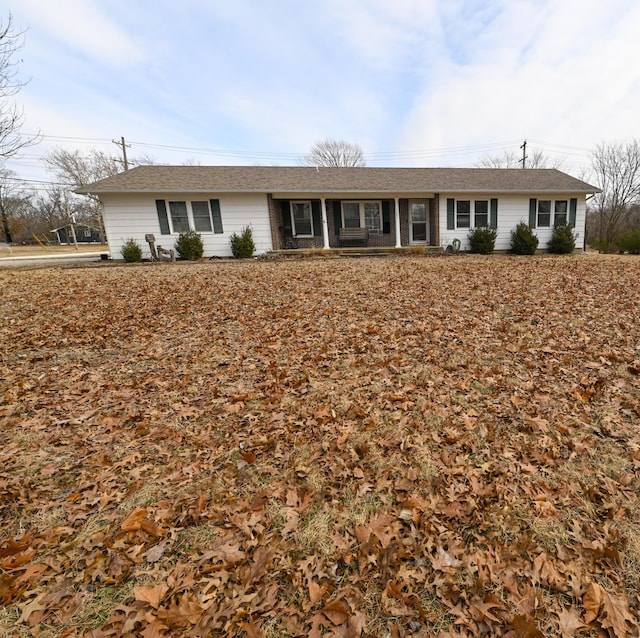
{"x":407,"y":435}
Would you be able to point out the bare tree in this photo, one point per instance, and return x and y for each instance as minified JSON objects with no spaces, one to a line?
{"x":616,"y":170}
{"x":334,"y":153}
{"x":75,"y":169}
{"x":11,"y":117}
{"x":11,"y":199}
{"x":49,"y":209}
{"x":510,"y":159}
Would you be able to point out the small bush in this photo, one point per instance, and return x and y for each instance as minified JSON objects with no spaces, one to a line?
{"x":630,"y":242}
{"x":131,"y":251}
{"x":482,"y":240}
{"x":523,"y":240}
{"x":563,"y":240}
{"x":189,"y":245}
{"x":242,"y":245}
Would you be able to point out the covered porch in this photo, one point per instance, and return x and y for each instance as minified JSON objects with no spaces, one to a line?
{"x":343,"y":221}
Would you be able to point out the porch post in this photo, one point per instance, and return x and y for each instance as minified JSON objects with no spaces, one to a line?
{"x":325,"y":224}
{"x":396,"y":213}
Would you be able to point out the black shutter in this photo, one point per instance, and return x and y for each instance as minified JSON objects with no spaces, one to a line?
{"x":285,"y":209}
{"x":533,"y":209}
{"x":386,"y":216}
{"x":216,"y":215}
{"x":451,"y":213}
{"x":163,"y":220}
{"x":337,"y":215}
{"x":493,"y":218}
{"x":316,"y":213}
{"x":573,"y":206}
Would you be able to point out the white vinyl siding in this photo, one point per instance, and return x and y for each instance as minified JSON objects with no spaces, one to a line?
{"x":512,"y":209}
{"x":135,"y":215}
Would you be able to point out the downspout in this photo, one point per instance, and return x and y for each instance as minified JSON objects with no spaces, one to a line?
{"x":584,"y":239}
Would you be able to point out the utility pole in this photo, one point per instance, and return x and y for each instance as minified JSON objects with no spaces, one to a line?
{"x":71,"y":220}
{"x":121,"y":144}
{"x":524,"y":154}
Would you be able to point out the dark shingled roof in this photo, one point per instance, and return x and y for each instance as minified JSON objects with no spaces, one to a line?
{"x":283,"y":179}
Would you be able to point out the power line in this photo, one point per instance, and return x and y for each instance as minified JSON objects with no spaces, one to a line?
{"x":265,"y":155}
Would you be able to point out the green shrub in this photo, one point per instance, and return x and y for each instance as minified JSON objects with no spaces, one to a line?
{"x":523,"y":240}
{"x":131,"y":251}
{"x":242,"y":245}
{"x":482,"y":240}
{"x":630,"y":242}
{"x":189,"y":245}
{"x":563,"y":240}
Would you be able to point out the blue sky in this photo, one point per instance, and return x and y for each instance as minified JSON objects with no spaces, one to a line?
{"x":414,"y":82}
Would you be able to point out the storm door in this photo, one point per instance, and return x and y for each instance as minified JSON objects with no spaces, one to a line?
{"x":418,"y":222}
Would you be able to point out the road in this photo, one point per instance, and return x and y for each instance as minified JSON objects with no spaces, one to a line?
{"x":51,"y":259}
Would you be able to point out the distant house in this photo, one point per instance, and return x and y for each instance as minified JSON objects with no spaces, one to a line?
{"x":84,"y":234}
{"x":301,"y":207}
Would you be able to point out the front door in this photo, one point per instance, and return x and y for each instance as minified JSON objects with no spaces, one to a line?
{"x":418,"y":222}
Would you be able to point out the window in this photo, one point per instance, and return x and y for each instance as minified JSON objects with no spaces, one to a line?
{"x":372,"y":216}
{"x":87,"y":232}
{"x":351,"y":214}
{"x":179,"y":217}
{"x":302,"y":219}
{"x":544,"y":212}
{"x":560,"y":213}
{"x":362,"y":215}
{"x":202,"y":216}
{"x":463,"y":213}
{"x":481,"y":213}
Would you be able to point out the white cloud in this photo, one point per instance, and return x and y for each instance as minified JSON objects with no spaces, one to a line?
{"x":391,"y":75}
{"x":543,"y":70}
{"x":84,"y":27}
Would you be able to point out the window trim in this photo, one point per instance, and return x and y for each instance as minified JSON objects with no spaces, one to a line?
{"x":361,"y":210}
{"x":555,"y":212}
{"x":293,"y":221}
{"x":486,"y":213}
{"x":186,"y":210}
{"x":167,"y":212}
{"x":538,"y":224}
{"x":469,"y":213}
{"x":208,"y":205}
{"x":452,"y":214}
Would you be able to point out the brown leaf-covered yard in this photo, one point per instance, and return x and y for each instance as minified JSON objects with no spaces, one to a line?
{"x":333,"y":447}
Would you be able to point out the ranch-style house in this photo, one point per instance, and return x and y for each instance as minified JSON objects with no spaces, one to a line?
{"x":291,"y":208}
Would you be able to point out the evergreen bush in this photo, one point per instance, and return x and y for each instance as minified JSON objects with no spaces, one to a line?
{"x":523,"y":240}
{"x":482,"y":240}
{"x":131,"y":251}
{"x":242,"y":245}
{"x":189,"y":245}
{"x":630,"y":242}
{"x":563,"y":240}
